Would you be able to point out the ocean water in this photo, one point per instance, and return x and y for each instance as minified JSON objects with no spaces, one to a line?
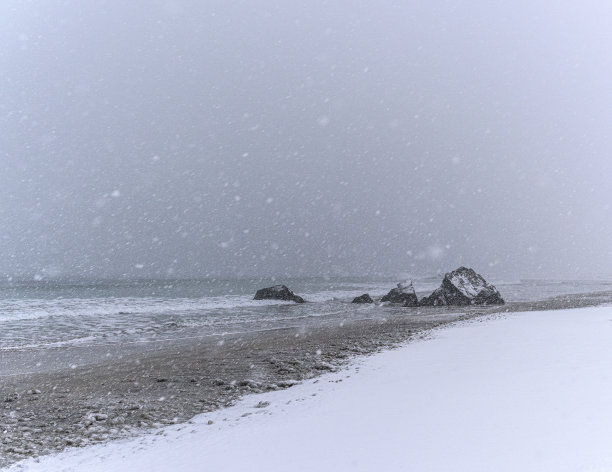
{"x":50,"y":314}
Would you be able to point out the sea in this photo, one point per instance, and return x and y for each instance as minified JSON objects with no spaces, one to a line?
{"x":44,"y":315}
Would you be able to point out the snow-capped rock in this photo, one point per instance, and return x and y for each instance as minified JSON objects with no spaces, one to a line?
{"x":404,"y":293}
{"x":463,"y":287}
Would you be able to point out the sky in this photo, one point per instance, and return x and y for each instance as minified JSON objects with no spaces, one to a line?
{"x":254,"y":138}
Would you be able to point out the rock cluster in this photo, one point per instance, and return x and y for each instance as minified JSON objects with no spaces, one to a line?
{"x":460,"y":287}
{"x":278,"y":292}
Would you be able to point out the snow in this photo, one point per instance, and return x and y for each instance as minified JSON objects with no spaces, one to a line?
{"x":516,"y":392}
{"x":466,"y":286}
{"x":406,"y":287}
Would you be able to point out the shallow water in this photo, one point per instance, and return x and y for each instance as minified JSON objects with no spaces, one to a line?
{"x":42,"y":315}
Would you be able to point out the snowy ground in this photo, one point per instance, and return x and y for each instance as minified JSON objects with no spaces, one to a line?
{"x":520,"y":392}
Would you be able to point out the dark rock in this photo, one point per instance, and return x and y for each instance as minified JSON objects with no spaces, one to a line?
{"x":463,"y":287}
{"x":365,"y":298}
{"x":404,"y":293}
{"x":278,"y":292}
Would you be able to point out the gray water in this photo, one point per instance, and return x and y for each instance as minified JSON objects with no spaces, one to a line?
{"x":40,"y":315}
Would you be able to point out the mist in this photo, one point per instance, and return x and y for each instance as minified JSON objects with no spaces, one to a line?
{"x":257,"y":138}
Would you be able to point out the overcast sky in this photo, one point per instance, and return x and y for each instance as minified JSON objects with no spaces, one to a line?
{"x":197,"y":138}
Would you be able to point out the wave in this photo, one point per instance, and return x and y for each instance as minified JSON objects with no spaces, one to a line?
{"x":15,"y":310}
{"x":20,"y":310}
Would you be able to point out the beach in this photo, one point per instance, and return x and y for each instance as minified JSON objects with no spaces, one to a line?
{"x":131,"y":389}
{"x":511,"y":391}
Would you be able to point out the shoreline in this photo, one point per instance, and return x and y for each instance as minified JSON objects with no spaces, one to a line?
{"x":135,"y":392}
{"x":509,"y":391}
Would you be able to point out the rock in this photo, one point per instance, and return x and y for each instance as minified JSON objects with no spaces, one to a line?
{"x":287,"y":383}
{"x":11,"y":397}
{"x":404,"y":294}
{"x":463,"y":287}
{"x":365,"y":298}
{"x":248,"y":383}
{"x":277,"y":292}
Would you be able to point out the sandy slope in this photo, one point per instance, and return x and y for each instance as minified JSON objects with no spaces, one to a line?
{"x":528,"y":391}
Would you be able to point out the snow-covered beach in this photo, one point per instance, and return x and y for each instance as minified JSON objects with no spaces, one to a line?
{"x":96,"y":363}
{"x":517,"y":391}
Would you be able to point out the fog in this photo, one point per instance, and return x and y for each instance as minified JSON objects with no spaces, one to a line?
{"x":195,"y":139}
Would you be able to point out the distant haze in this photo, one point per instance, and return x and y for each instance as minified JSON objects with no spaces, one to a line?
{"x":190,"y":139}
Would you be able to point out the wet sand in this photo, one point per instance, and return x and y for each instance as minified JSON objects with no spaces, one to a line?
{"x":132,"y":388}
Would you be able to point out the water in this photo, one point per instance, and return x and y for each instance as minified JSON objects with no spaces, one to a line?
{"x":46,"y":315}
